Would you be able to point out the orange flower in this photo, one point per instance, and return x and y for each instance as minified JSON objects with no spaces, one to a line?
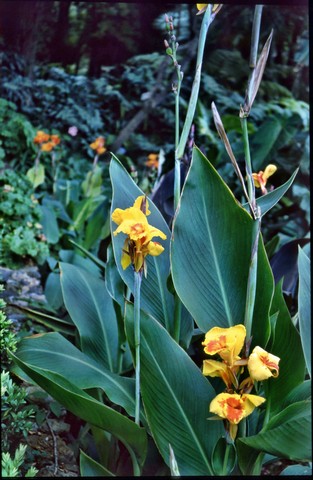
{"x":98,"y":145}
{"x":41,"y":137}
{"x":153,"y":160}
{"x":55,"y":139}
{"x":47,"y":147}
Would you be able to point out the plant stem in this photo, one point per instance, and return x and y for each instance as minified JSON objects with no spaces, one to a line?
{"x":207,"y":20}
{"x":226,"y":456}
{"x":137,"y":284}
{"x":177,"y":180}
{"x":251,"y":187}
{"x":252,"y":278}
{"x":255,"y":34}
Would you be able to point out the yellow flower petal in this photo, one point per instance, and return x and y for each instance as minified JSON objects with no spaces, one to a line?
{"x":234,"y":407}
{"x":227,"y":342}
{"x":125,"y":260}
{"x":155,"y":249}
{"x":256,"y":178}
{"x":200,"y":6}
{"x":138,"y":203}
{"x":269,"y":170}
{"x":262,"y":365}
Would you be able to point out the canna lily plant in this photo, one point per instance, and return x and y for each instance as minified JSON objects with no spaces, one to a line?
{"x":124,"y":360}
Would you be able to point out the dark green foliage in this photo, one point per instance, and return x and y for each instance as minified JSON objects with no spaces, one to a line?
{"x":16,"y":418}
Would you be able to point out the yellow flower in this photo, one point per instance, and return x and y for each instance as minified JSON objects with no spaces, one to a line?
{"x":226,"y":342}
{"x":47,"y":147}
{"x":262,"y":365}
{"x":213,"y":368}
{"x":203,"y":6}
{"x":98,"y":145}
{"x":234,"y":408}
{"x":260,"y":179}
{"x":133,"y":222}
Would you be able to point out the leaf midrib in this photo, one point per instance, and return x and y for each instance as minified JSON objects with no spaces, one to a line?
{"x":214,"y":255}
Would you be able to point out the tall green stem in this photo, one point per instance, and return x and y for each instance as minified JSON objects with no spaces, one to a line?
{"x":207,"y":20}
{"x":251,"y":187}
{"x":177,"y":180}
{"x":255,"y":34}
{"x":137,"y":285}
{"x":252,"y":278}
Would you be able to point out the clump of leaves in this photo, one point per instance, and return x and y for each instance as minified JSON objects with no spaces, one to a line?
{"x":16,"y":417}
{"x":20,"y":215}
{"x":10,"y":465}
{"x":7,"y":336}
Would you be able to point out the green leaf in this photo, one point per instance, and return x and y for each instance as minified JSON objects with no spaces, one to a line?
{"x":304,"y":301}
{"x":224,"y":457}
{"x":36,"y":175}
{"x":176,"y":398}
{"x":53,"y":292}
{"x":155,"y":297}
{"x":57,"y":324}
{"x":286,"y":346}
{"x":299,"y":393}
{"x":50,"y":224}
{"x":287,"y":434}
{"x":86,"y":407}
{"x":91,"y":468}
{"x":60,"y":356}
{"x":92,"y":257}
{"x":91,"y":309}
{"x":211,"y":252}
{"x":297,"y":470}
{"x":266,"y":202}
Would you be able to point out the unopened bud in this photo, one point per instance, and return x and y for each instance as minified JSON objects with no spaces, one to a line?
{"x":166,"y":44}
{"x":166,"y":18}
{"x":169,"y":51}
{"x":173,"y":38}
{"x":171,"y":26}
{"x":177,"y":45}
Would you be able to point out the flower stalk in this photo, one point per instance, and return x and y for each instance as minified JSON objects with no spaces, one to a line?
{"x":206,"y":22}
{"x":137,"y":285}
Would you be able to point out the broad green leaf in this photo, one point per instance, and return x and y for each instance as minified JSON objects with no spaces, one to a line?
{"x":89,"y":409}
{"x":176,"y":398}
{"x":50,"y":224}
{"x":297,"y":470}
{"x":90,"y":468}
{"x":53,"y":291}
{"x":92,"y":257}
{"x":36,"y":175}
{"x":287,"y":434}
{"x":91,"y":309}
{"x":249,"y":460}
{"x":264,"y":140}
{"x":211,"y":252}
{"x":57,"y":324}
{"x":155,"y":297}
{"x":266,"y":202}
{"x":286,"y":346}
{"x":299,"y":393}
{"x":58,"y":355}
{"x":304,"y":302}
{"x":224,"y":457}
